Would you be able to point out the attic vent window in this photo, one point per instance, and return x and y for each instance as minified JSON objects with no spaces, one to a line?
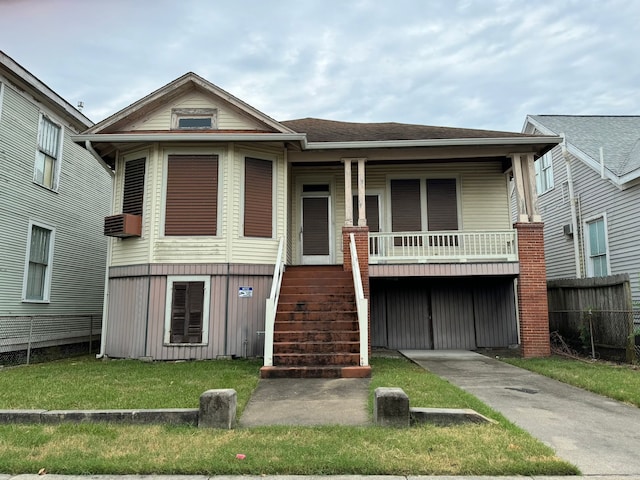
{"x":194,"y":119}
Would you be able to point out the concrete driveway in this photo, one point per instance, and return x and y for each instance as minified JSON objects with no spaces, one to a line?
{"x":598,"y":435}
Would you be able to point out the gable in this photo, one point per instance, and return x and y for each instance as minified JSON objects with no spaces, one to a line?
{"x":227,"y":118}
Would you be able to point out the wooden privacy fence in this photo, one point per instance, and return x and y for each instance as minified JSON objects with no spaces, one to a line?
{"x":594,"y":316}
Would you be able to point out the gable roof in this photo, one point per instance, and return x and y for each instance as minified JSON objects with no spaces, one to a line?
{"x":28,"y":82}
{"x":618,"y":136}
{"x":174,"y":89}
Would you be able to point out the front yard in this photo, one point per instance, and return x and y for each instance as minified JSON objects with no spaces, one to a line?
{"x":497,"y":449}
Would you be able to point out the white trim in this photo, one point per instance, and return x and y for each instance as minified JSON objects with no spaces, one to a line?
{"x":178,"y":114}
{"x":46,"y":294}
{"x":587,"y":246}
{"x":206,"y":301}
{"x":1,"y":97}
{"x":541,"y":166}
{"x":58,"y":159}
{"x":192,"y":151}
{"x":243,"y":153}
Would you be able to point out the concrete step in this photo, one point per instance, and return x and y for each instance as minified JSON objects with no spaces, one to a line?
{"x":315,"y":372}
{"x":312,"y":316}
{"x":318,"y":326}
{"x":339,"y":347}
{"x":346,"y":281}
{"x":315,"y":359}
{"x":316,"y":306}
{"x":303,"y":298}
{"x":308,"y":289}
{"x":315,"y":336}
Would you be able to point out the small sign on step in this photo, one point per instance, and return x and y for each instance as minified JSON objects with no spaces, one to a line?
{"x":245,"y":292}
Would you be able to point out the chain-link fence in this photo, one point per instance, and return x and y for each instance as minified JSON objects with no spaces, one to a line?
{"x":609,"y":335}
{"x":39,"y":338}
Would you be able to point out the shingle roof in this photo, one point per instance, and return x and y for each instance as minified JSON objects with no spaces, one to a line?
{"x":619,"y":137}
{"x":319,"y":130}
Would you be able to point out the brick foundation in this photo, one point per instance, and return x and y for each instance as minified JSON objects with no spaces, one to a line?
{"x":532,"y":291}
{"x":361,"y":235}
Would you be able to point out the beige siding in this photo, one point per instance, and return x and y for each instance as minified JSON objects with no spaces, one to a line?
{"x":228,"y":117}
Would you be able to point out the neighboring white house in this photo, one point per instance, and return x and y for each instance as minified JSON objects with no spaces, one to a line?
{"x":589,"y":195}
{"x":53,"y":197}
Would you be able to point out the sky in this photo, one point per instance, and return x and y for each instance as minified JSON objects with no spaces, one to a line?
{"x":458,"y":63}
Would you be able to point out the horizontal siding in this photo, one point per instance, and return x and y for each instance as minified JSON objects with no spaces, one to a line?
{"x":228,"y":118}
{"x":445,"y":269}
{"x":76,"y":211}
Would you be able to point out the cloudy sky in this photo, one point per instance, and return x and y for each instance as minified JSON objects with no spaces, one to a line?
{"x":459,"y":63}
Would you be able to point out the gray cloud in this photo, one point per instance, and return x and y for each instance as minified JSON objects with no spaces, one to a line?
{"x":468,"y":63}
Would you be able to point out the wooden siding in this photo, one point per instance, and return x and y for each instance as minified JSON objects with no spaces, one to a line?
{"x":423,"y":313}
{"x":76,"y":211}
{"x":483,"y":193}
{"x":444,"y":270}
{"x":234,"y":322}
{"x":595,"y":196}
{"x":228,"y":118}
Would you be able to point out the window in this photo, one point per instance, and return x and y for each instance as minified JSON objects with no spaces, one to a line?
{"x":258,"y":198}
{"x":48,"y":155}
{"x":192,"y":195}
{"x":194,"y":118}
{"x":133,"y":190}
{"x":597,"y":261}
{"x":37,"y":279}
{"x":187,"y":310}
{"x":544,"y":173}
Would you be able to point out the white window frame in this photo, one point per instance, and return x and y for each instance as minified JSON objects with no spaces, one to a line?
{"x":46,"y":294}
{"x":171,"y":279}
{"x":57,"y":159}
{"x":178,"y":114}
{"x":543,"y":167}
{"x":587,"y":245}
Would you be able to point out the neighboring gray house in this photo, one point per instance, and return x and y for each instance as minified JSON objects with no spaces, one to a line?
{"x":53,"y":197}
{"x":589,"y":196}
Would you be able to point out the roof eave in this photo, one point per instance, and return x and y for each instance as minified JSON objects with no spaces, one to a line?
{"x":188,"y":137}
{"x":444,"y":142}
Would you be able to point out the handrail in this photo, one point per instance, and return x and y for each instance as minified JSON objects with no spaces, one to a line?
{"x":272,"y":306}
{"x":361,"y":303}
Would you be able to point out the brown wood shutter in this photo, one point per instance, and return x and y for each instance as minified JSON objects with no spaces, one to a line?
{"x":315,"y":226}
{"x":133,"y":192}
{"x":442,"y":204}
{"x":372,"y":212}
{"x":405,"y":206}
{"x":186,"y":312}
{"x":192,"y":195}
{"x":258,"y":198}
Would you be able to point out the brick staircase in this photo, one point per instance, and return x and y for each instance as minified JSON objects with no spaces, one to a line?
{"x":316,"y":328}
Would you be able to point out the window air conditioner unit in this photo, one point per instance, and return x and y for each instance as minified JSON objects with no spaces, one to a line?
{"x":568,"y":229}
{"x":123,"y":225}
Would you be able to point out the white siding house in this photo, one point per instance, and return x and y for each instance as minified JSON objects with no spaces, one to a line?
{"x":589,"y":194}
{"x":53,"y":197}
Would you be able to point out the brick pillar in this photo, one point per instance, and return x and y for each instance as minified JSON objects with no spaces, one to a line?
{"x":361,"y":235}
{"x":532,"y":291}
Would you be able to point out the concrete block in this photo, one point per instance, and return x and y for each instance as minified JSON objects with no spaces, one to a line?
{"x":166,"y":416}
{"x":218,"y":409}
{"x":21,"y":416}
{"x":446,"y":416}
{"x":390,"y":407}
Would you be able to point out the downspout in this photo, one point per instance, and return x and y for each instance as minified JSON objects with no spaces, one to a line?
{"x":105,"y":304}
{"x":574,"y":215}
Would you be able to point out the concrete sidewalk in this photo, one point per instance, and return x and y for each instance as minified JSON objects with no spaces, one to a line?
{"x":308,"y":401}
{"x":598,"y":435}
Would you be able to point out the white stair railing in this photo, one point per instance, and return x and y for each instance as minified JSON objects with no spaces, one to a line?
{"x":362,"y":304}
{"x":272,"y":306}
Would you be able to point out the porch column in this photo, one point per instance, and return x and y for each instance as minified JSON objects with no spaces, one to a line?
{"x":532,"y":281}
{"x":362,"y":209}
{"x":348,"y":203}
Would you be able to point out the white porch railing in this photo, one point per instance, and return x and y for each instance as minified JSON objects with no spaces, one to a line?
{"x":443,"y":246}
{"x":362,"y":304}
{"x":272,"y":305}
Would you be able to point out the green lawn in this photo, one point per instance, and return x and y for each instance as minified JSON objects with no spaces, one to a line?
{"x":495,"y":449}
{"x":620,"y":382}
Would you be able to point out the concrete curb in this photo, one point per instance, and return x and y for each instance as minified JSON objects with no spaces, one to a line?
{"x":173,"y":416}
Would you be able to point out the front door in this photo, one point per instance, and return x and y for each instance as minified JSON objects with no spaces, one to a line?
{"x":316,"y":231}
